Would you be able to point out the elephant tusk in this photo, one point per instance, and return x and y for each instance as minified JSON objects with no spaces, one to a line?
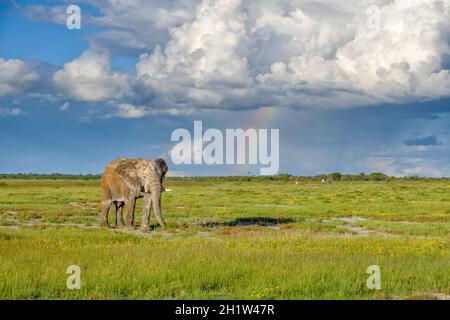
{"x":167,"y":190}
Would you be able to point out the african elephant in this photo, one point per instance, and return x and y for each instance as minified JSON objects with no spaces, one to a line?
{"x":124,"y":180}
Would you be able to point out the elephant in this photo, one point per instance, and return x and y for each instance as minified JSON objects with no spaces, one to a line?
{"x":125,"y":180}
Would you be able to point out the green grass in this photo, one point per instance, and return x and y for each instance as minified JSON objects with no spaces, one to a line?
{"x":230,"y":239}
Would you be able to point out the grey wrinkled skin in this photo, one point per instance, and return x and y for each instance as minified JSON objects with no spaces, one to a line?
{"x":125,"y":180}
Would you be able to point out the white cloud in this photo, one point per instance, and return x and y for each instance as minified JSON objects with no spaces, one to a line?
{"x":126,"y":110}
{"x":16,"y":77}
{"x":56,"y":14}
{"x":11,"y":112}
{"x":65,"y":106}
{"x":235,"y":54}
{"x":201,"y":55}
{"x":137,"y":15}
{"x":90,"y":78}
{"x":402,"y":166}
{"x":291,"y":53}
{"x":130,"y":111}
{"x":129,"y":27}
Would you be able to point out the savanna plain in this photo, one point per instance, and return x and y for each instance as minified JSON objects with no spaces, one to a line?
{"x":230,"y":239}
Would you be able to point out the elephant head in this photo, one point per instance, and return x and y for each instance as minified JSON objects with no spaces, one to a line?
{"x":146,"y":175}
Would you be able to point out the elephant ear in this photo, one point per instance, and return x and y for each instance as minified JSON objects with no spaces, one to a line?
{"x":162,"y":167}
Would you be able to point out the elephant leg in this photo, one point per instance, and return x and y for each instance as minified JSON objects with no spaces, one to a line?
{"x":106,"y":204}
{"x":119,"y":216}
{"x":129,"y":208}
{"x":145,"y":225}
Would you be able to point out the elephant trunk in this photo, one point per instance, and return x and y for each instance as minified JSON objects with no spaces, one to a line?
{"x":156,"y":192}
{"x":147,"y":188}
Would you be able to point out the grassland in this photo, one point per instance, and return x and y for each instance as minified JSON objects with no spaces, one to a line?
{"x":230,"y":239}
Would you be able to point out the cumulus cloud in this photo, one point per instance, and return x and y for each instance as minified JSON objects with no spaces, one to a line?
{"x":130,"y":111}
{"x":16,"y":77}
{"x":65,"y":106}
{"x":91,"y":78}
{"x":125,"y":110}
{"x":405,"y":166}
{"x":136,"y":26}
{"x":128,"y":27}
{"x":56,"y":14}
{"x":11,"y":112}
{"x":237,"y":54}
{"x":201,"y":55}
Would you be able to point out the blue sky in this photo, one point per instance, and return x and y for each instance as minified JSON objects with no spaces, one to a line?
{"x":345,"y":95}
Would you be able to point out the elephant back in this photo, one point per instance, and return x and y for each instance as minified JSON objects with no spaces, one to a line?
{"x":128,"y":169}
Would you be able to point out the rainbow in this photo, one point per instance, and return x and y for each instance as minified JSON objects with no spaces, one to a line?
{"x":262,"y":118}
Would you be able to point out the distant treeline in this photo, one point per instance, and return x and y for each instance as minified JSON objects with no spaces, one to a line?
{"x":336,"y":176}
{"x":49,"y":176}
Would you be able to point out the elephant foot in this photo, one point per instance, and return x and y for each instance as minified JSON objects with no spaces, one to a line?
{"x":120,"y":226}
{"x":145,"y":228}
{"x":104,"y":224}
{"x":130,"y":227}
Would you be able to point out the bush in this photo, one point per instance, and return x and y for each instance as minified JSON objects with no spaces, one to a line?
{"x":336,"y":176}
